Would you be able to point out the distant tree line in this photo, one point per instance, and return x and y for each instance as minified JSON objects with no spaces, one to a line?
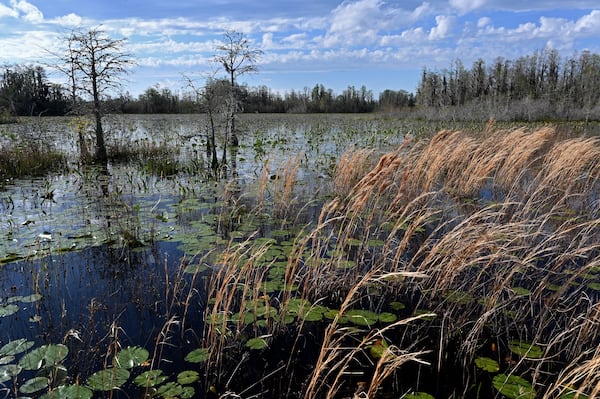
{"x":542,"y":86}
{"x":538,"y":86}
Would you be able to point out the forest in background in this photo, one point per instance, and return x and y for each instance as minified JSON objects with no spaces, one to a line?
{"x":542,"y":86}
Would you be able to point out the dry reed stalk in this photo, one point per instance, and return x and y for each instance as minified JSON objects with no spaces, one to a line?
{"x":284,"y":185}
{"x":351,"y":167}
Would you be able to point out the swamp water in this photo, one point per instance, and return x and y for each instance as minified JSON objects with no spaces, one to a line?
{"x":101,"y":263}
{"x":154,"y":279}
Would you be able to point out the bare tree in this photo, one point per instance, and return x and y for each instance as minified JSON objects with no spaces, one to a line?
{"x":94,"y":65}
{"x":238,"y":57}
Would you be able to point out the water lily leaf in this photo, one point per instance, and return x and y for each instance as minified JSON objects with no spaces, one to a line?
{"x":419,"y":395}
{"x":487,"y":364}
{"x":7,"y":310}
{"x":46,"y":355}
{"x":256,"y":343}
{"x":376,"y":350}
{"x":150,"y":378}
{"x":106,"y":380}
{"x":69,"y":392}
{"x":362,"y":317}
{"x":513,"y":387}
{"x":387,"y":317}
{"x":525,"y":349}
{"x":188,"y":377}
{"x":7,"y":359}
{"x":15,"y":347}
{"x":314,"y":313}
{"x":594,"y":286}
{"x":459,"y":297}
{"x":397,"y":306}
{"x":131,"y":356}
{"x":35,"y":384}
{"x":521,"y":291}
{"x":194,"y":269}
{"x":9,"y":371}
{"x":199,"y":355}
{"x":31,"y":298}
{"x":170,"y":390}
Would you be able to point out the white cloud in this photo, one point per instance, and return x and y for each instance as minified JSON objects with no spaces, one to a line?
{"x":70,"y":20}
{"x":8,"y":12}
{"x":30,"y":12}
{"x":443,"y":27}
{"x":483,"y":22}
{"x":465,"y":6}
{"x":589,"y":24}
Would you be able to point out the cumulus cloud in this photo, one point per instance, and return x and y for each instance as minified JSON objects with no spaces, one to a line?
{"x":7,"y":11}
{"x":30,"y":12}
{"x":465,"y":6}
{"x":589,"y":24}
{"x":443,"y":27}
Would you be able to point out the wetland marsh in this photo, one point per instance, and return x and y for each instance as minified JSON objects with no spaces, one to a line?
{"x":332,"y":256}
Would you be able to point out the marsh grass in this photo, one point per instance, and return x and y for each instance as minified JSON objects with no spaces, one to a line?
{"x":30,"y":158}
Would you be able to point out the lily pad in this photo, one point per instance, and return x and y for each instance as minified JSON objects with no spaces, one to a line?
{"x":34,"y":385}
{"x":525,"y":349}
{"x":362,"y":317}
{"x":194,"y":268}
{"x":9,"y":371}
{"x":487,"y":364}
{"x":256,"y":343}
{"x":7,"y":310}
{"x":387,"y":317}
{"x":106,"y":380}
{"x":69,"y":392}
{"x":188,"y":377}
{"x":31,"y":298}
{"x":173,"y":390}
{"x":513,"y":387}
{"x":150,"y":378}
{"x":199,"y":355}
{"x":46,"y":355}
{"x":131,"y":356}
{"x":15,"y":347}
{"x":419,"y":395}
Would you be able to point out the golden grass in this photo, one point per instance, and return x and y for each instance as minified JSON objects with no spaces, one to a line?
{"x":497,"y":234}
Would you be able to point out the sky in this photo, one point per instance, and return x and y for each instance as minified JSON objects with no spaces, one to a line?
{"x":338,"y":43}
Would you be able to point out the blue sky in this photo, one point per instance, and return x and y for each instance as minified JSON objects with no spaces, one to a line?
{"x":381,"y":44}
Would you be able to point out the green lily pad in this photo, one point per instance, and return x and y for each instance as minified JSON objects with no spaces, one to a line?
{"x":34,"y":385}
{"x":419,"y":395}
{"x":15,"y":347}
{"x":194,"y":269}
{"x":513,"y":387}
{"x":69,"y":392}
{"x":487,"y":364}
{"x":7,"y":310}
{"x":9,"y":371}
{"x":6,"y":359}
{"x":31,"y":298}
{"x":521,"y":291}
{"x":175,"y":390}
{"x":594,"y":286}
{"x":459,"y":297}
{"x":256,"y":343}
{"x":199,"y":355}
{"x":131,"y":356}
{"x":150,"y":378}
{"x":387,"y":317}
{"x":46,"y":355}
{"x":362,"y":317}
{"x":106,"y":380}
{"x":525,"y":349}
{"x":376,"y":350}
{"x":188,"y":377}
{"x":397,"y":306}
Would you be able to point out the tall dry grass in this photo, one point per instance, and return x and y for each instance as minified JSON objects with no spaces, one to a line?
{"x":506,"y":226}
